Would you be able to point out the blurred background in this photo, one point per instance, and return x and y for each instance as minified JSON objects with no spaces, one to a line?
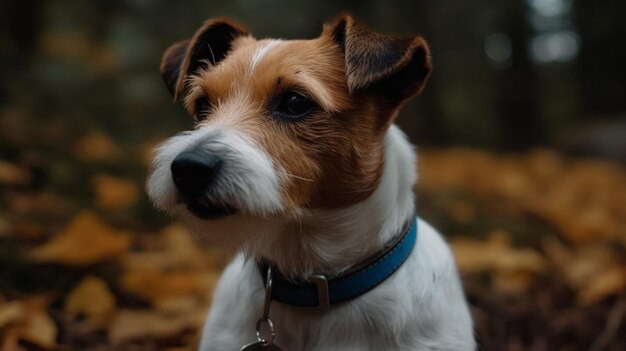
{"x":521,"y":129}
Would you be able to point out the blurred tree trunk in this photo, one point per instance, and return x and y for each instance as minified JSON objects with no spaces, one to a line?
{"x":430,"y":126}
{"x":21,"y":21}
{"x":518,"y":122}
{"x":602,"y":57}
{"x":20,"y":24}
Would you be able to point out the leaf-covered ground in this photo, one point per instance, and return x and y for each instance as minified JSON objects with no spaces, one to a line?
{"x":86,"y":264}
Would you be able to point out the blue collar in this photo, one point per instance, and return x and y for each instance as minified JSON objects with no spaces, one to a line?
{"x":320,"y":292}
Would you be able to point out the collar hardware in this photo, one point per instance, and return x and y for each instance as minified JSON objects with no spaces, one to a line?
{"x":321,"y":283}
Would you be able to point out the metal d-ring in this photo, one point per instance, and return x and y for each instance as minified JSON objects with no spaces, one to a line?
{"x":268,"y":294}
{"x":269,"y":339}
{"x":265,"y":319}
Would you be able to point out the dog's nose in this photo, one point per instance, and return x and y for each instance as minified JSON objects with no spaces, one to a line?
{"x":193,"y":171}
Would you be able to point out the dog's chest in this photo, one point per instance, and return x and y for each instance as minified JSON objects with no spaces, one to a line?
{"x":369,"y":322}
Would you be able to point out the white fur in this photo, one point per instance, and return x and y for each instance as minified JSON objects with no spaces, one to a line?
{"x":248,"y":180}
{"x":420,"y":307}
{"x":261,"y":52}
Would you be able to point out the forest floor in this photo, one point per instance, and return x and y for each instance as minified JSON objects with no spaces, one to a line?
{"x":86,"y":264}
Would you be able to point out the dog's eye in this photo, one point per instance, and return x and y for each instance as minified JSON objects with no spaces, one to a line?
{"x":202,"y":108}
{"x":293,"y":105}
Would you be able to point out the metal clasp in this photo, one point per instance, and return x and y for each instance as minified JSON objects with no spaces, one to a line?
{"x":321,"y":283}
{"x":266,"y":340}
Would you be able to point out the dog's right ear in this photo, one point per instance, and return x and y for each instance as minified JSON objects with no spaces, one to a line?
{"x":209,"y":45}
{"x":396,"y":66}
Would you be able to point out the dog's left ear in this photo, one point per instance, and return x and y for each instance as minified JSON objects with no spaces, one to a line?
{"x":209,"y":45}
{"x":396,"y":67}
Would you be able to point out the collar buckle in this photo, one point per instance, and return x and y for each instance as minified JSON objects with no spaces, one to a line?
{"x":321,"y":283}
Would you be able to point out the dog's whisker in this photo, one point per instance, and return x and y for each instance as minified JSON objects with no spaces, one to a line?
{"x":212,"y":55}
{"x":297,"y":177}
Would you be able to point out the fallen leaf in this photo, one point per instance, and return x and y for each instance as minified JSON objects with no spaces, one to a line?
{"x":11,"y":341}
{"x":10,"y":312}
{"x":496,"y":253}
{"x":40,"y":329}
{"x":86,"y":240}
{"x":462,"y":211}
{"x":594,"y":271}
{"x":544,"y":166}
{"x":180,"y":304}
{"x":93,"y":299}
{"x":29,"y":231}
{"x":27,"y":320}
{"x":79,"y":48}
{"x":131,"y":325}
{"x":113,"y":193}
{"x":579,"y":225}
{"x":177,"y":251}
{"x":155,"y":285}
{"x":11,"y":174}
{"x":5,"y":227}
{"x":607,"y":283}
{"x":512,"y":282}
{"x":95,"y":146}
{"x":47,"y":203}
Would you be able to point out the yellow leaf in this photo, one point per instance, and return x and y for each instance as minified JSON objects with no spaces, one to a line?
{"x":12,"y":174}
{"x":79,"y":48}
{"x":5,"y":227}
{"x":594,"y":271}
{"x":512,"y":282}
{"x":40,"y":329}
{"x":30,"y":231}
{"x":10,"y":312}
{"x":46,"y":203}
{"x":10,"y":341}
{"x":93,"y":299}
{"x":95,"y":146}
{"x":462,"y":211}
{"x":177,"y":250}
{"x":86,"y":240}
{"x":495,"y":253}
{"x":180,"y":304}
{"x":27,"y":320}
{"x":155,"y":285}
{"x":112,"y":192}
{"x":606,"y":283}
{"x":132,"y":325}
{"x":579,"y":225}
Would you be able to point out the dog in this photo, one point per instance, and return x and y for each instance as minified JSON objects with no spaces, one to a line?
{"x":295,"y":166}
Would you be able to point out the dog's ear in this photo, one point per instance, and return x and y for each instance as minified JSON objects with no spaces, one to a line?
{"x":395,"y":66}
{"x":170,"y":64}
{"x":209,"y":45}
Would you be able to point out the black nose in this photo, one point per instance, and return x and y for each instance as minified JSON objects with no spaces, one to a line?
{"x":193,"y":171}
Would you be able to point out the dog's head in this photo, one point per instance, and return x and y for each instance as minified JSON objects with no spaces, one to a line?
{"x":281,"y":126}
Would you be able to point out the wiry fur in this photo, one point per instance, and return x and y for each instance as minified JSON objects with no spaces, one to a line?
{"x":317,"y":195}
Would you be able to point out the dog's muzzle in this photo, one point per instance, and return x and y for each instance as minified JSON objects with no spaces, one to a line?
{"x":194,"y":172}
